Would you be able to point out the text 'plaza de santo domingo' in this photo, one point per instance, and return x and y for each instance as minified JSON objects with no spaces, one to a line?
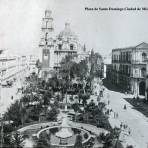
{"x":54,"y":49}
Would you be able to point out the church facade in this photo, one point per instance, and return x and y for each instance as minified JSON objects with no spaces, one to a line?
{"x":54,"y":49}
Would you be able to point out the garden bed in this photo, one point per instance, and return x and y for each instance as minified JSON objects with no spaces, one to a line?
{"x":140,"y":105}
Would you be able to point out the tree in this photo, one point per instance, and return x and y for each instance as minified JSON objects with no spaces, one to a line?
{"x":43,"y":141}
{"x":13,"y":113}
{"x":66,"y":65}
{"x":111,"y":137}
{"x":38,"y":65}
{"x":23,"y":112}
{"x":84,"y":98}
{"x":47,"y":97}
{"x":108,"y":143}
{"x":7,"y":140}
{"x":80,"y":69}
{"x":78,"y":142}
{"x":130,"y":146}
{"x":52,"y":114}
{"x":76,"y":107}
{"x":17,"y":140}
{"x":95,"y":66}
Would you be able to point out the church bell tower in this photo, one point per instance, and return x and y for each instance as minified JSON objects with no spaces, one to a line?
{"x":46,"y":43}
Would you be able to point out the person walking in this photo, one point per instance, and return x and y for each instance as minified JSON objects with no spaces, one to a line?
{"x":129,"y":131}
{"x":125,"y":107}
{"x":116,"y":115}
{"x":108,"y":102}
{"x":121,"y":125}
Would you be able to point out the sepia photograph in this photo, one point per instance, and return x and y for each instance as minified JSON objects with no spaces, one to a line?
{"x":73,"y":74}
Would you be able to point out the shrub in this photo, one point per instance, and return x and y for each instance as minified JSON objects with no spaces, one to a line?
{"x":85,"y":135}
{"x":130,"y":146}
{"x":101,"y":137}
{"x":76,"y":131}
{"x":54,"y":130}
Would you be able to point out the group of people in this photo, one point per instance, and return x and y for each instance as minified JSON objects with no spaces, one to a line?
{"x":109,"y":111}
{"x":116,"y":115}
{"x":125,"y":127}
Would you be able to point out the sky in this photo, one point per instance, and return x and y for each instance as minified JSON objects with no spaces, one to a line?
{"x":21,"y":20}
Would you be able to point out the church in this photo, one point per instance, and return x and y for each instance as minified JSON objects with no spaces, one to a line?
{"x":54,"y":49}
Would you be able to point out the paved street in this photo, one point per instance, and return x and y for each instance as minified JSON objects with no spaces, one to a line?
{"x":7,"y":92}
{"x":136,"y":133}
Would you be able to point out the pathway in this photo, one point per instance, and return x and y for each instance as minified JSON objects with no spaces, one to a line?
{"x":136,"y":133}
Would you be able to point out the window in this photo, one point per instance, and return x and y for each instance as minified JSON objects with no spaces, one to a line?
{"x":143,"y":72}
{"x":60,"y":46}
{"x":71,"y":47}
{"x":144,"y":57}
{"x":45,"y":57}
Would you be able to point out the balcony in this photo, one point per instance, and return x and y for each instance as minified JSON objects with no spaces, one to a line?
{"x":138,"y":62}
{"x":142,"y":75}
{"x":57,"y":65}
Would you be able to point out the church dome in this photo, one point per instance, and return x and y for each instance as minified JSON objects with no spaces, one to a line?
{"x":67,"y":33}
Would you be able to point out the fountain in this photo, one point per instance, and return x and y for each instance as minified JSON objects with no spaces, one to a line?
{"x":64,"y":133}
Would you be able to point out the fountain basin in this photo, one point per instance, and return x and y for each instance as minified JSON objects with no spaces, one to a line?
{"x":70,"y":140}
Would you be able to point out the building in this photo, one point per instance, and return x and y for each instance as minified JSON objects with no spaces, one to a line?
{"x":47,"y":44}
{"x":12,"y":66}
{"x":128,"y":68}
{"x":54,"y":49}
{"x":32,"y":63}
{"x":107,"y":63}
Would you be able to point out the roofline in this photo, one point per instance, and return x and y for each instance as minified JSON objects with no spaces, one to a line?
{"x":132,"y":47}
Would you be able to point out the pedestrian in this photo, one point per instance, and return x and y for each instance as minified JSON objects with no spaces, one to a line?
{"x":121,"y":125}
{"x":129,"y":131}
{"x":11,"y":97}
{"x":107,"y":111}
{"x":108,"y":102}
{"x":116,"y":115}
{"x":101,"y":93}
{"x":126,"y":126}
{"x":124,"y":107}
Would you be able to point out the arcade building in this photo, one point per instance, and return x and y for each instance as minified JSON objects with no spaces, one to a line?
{"x":128,"y":68}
